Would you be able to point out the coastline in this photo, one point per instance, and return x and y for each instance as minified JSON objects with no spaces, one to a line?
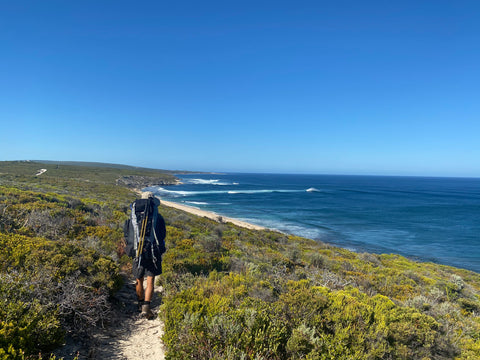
{"x":211,"y":215}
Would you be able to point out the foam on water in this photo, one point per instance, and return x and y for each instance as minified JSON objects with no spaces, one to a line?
{"x":196,"y":202}
{"x":264,"y":191}
{"x":208,"y":182}
{"x":177,"y":193}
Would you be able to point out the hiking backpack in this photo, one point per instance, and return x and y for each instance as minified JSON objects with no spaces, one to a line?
{"x":145,"y":231}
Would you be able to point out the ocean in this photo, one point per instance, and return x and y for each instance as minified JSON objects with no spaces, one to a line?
{"x":427,"y":219}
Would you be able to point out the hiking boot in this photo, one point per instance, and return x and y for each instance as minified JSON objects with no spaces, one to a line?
{"x":146,"y":312}
{"x":139,"y":305}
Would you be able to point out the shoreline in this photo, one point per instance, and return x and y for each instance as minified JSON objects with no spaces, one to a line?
{"x":223,"y":219}
{"x":211,"y":215}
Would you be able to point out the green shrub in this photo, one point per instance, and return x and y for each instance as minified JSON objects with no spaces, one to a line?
{"x":26,"y":325}
{"x":50,"y":279}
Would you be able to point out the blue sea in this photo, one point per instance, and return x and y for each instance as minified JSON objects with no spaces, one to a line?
{"x":427,"y":219}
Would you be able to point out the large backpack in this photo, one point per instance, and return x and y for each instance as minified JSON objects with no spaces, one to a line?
{"x":145,"y":232}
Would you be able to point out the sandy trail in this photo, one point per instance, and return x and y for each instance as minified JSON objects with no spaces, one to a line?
{"x":40,"y":172}
{"x":127,"y":336}
{"x":131,"y":337}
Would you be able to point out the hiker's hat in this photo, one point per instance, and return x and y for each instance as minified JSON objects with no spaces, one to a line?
{"x":147,"y":194}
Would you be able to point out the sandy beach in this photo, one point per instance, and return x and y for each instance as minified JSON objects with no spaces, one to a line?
{"x":211,"y":215}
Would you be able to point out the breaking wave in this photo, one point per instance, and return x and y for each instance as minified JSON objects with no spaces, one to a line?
{"x":260,"y":191}
{"x":196,"y":202}
{"x":208,"y":182}
{"x":177,"y":193}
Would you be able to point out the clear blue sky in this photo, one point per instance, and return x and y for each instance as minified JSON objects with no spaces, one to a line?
{"x":340,"y":87}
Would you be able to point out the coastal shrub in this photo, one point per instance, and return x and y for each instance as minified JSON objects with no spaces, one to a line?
{"x":81,"y":306}
{"x":192,"y":256}
{"x":302,"y":342}
{"x":217,"y":314}
{"x":470,"y":305}
{"x":64,"y":265}
{"x":26,"y":325}
{"x":50,"y":280}
{"x":317,"y":260}
{"x":104,"y":239}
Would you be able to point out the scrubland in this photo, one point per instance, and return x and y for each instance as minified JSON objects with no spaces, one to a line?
{"x":228,"y":292}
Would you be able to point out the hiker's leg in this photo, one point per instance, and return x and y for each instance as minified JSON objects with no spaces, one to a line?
{"x":139,"y":289}
{"x":149,"y":289}
{"x":146,"y":311}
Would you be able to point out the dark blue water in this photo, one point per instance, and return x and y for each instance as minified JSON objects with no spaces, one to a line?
{"x":429,"y":219}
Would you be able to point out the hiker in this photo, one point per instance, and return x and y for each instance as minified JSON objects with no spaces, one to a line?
{"x":145,"y":238}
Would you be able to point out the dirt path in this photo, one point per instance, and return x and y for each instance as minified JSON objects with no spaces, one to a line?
{"x":127,"y":336}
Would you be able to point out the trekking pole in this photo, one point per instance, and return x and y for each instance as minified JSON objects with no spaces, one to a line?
{"x":142,"y":236}
{"x":140,"y":242}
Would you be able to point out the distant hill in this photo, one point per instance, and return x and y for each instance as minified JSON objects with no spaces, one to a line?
{"x":107,"y":165}
{"x":74,"y":174}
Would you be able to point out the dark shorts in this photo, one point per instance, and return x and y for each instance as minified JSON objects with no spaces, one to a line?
{"x":148,"y":269}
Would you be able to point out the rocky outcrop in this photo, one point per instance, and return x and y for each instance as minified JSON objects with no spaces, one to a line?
{"x":139,"y":182}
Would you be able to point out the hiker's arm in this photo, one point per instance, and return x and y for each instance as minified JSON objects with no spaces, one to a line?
{"x":161,"y":231}
{"x":125,"y":229}
{"x":129,"y":238}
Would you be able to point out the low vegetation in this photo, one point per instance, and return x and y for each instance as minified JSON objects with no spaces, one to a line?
{"x":229,"y":292}
{"x":59,"y":262}
{"x":233,"y":293}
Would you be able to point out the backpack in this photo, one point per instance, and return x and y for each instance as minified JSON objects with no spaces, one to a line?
{"x":145,"y":232}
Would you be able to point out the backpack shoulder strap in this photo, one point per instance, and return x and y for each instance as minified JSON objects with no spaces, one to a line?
{"x":136,"y":230}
